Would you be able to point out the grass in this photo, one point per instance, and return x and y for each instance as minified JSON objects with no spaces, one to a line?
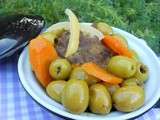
{"x":139,"y":17}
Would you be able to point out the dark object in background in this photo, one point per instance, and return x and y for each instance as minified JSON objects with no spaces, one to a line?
{"x":157,"y":105}
{"x":16,"y":31}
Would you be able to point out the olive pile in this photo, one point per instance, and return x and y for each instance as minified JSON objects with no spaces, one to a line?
{"x":77,"y":90}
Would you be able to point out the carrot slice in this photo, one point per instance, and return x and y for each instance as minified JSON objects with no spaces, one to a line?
{"x":96,"y":71}
{"x":41,"y":53}
{"x":117,"y":46}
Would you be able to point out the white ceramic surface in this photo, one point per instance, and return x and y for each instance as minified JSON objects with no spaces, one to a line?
{"x":152,"y":87}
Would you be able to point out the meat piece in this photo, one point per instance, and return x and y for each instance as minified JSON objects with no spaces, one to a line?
{"x":90,"y":50}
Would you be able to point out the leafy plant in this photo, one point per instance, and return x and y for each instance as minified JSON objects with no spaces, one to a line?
{"x":139,"y":17}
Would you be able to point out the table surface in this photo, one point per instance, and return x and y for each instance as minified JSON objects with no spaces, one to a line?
{"x":17,"y":104}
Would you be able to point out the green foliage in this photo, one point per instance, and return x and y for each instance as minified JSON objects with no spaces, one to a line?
{"x":140,"y":17}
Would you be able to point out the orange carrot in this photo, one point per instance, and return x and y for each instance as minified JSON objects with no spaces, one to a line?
{"x":41,"y":53}
{"x":117,"y":46}
{"x":75,"y":65}
{"x":96,"y":71}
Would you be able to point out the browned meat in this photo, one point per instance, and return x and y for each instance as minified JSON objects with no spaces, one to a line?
{"x":90,"y":50}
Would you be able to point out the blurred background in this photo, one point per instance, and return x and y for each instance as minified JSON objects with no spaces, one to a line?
{"x":139,"y":17}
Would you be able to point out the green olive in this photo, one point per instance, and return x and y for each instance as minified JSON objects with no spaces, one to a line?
{"x":53,"y":35}
{"x":121,"y":38}
{"x":79,"y":74}
{"x":58,"y":32}
{"x":60,"y":69}
{"x":135,"y":55}
{"x":111,"y":88}
{"x":49,"y":36}
{"x":92,"y":80}
{"x":129,"y":98}
{"x":55,"y":88}
{"x":75,"y":96}
{"x":142,"y":72}
{"x":132,"y":81}
{"x":104,"y":28}
{"x":100,"y":99}
{"x":121,"y":66}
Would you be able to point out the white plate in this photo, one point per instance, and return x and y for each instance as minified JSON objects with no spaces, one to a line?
{"x":152,"y":88}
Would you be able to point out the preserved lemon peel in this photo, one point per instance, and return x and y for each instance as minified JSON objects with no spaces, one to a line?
{"x":74,"y":33}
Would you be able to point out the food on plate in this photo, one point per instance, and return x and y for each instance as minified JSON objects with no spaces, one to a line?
{"x":142,"y":72}
{"x":135,"y":55}
{"x":88,"y":67}
{"x":98,"y":72}
{"x":121,"y":66}
{"x":60,"y":69}
{"x":128,"y":98}
{"x":41,"y":54}
{"x":73,"y":42}
{"x":75,"y":96}
{"x":104,"y":28}
{"x":100,"y":100}
{"x":92,"y":80}
{"x":110,"y":87}
{"x":121,"y":38}
{"x":79,"y":74}
{"x":52,"y":36}
{"x":132,"y":81}
{"x":117,"y":45}
{"x":90,"y":48}
{"x":55,"y":88}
